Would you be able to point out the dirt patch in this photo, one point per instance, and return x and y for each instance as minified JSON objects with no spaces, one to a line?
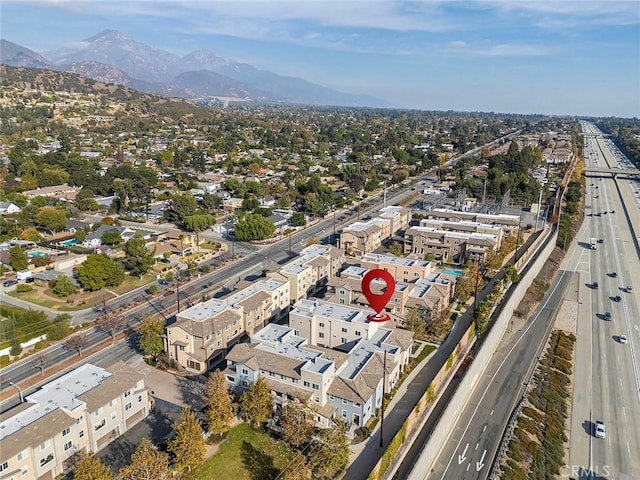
{"x":540,"y":285}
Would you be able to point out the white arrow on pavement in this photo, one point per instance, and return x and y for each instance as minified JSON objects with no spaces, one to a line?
{"x":462,"y":458}
{"x":479,"y":464}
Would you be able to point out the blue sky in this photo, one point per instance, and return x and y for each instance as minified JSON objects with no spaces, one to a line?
{"x":574,"y":57}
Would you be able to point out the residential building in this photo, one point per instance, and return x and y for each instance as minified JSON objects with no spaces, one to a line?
{"x":402,"y":269}
{"x":466,"y":226}
{"x":83,"y":410}
{"x":364,"y":237}
{"x":345,"y":383}
{"x":202,"y":335}
{"x":311,"y":270}
{"x":430,"y":294}
{"x":7,"y":208}
{"x":508,"y":223}
{"x":61,"y":192}
{"x":449,"y":246}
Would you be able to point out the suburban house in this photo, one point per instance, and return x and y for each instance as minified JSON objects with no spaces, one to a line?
{"x":449,"y":246}
{"x":83,"y":410}
{"x":345,"y":382}
{"x":61,"y":192}
{"x":7,"y":208}
{"x":311,"y":270}
{"x":94,"y":239}
{"x":202,"y":334}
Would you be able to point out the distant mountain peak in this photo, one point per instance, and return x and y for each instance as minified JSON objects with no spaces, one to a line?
{"x":107,"y":35}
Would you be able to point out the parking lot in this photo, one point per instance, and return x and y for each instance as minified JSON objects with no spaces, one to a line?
{"x":170,"y":394}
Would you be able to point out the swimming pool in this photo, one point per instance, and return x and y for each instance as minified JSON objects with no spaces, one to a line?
{"x":451,"y":271}
{"x":37,"y":253}
{"x":68,"y":243}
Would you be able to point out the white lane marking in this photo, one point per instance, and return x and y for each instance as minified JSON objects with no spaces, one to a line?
{"x":480,"y":464}
{"x":484,"y":428}
{"x":477,"y":445}
{"x":463,"y":457}
{"x":491,"y":412}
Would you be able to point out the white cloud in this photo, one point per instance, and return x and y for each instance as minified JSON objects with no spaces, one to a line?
{"x":458,"y":44}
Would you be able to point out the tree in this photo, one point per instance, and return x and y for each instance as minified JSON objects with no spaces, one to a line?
{"x":220,"y":407}
{"x":298,"y":469}
{"x":333,"y":454}
{"x":18,"y":259}
{"x":357,"y":182}
{"x":211,"y":202}
{"x":415,"y":323}
{"x":88,"y":467}
{"x":254,"y":227}
{"x":77,"y":343}
{"x":40,"y":361}
{"x":16,"y":348}
{"x":139,"y":259}
{"x":64,"y":286}
{"x":298,"y":220}
{"x":396,"y":249}
{"x":147,"y":463}
{"x":88,"y":205}
{"x":111,"y":237}
{"x":256,"y":403}
{"x":94,"y":272}
{"x":188,"y":446}
{"x":181,"y":206}
{"x":199,"y":223}
{"x":297,"y":423}
{"x":59,"y":328}
{"x":150,"y":336}
{"x":111,"y":322}
{"x":52,"y":218}
{"x":115,"y":272}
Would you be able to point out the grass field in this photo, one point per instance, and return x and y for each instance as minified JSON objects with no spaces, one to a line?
{"x":246,"y":454}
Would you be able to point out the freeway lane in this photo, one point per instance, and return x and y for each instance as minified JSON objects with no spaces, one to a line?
{"x":607,"y":376}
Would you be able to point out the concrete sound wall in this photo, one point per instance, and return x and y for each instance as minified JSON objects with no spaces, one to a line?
{"x":443,"y":429}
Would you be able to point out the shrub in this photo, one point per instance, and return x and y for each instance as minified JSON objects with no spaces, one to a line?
{"x":4,"y":360}
{"x":23,"y":288}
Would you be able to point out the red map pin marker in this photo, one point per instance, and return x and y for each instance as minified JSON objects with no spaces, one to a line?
{"x":378,"y":302}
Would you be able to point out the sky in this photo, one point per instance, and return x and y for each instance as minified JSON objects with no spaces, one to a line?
{"x":567,"y":57}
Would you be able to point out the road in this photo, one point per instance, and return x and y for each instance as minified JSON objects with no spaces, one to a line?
{"x":139,"y":304}
{"x":607,"y":372}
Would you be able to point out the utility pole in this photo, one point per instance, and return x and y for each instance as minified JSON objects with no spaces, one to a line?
{"x":178,"y":292}
{"x":384,"y":197}
{"x":384,"y":390}
{"x":333,"y":239}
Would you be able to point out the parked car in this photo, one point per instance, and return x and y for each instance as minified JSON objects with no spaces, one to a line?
{"x":600,"y":429}
{"x":9,"y":283}
{"x":623,"y":338}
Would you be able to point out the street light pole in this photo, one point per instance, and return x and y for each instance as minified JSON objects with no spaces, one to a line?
{"x":19,"y":391}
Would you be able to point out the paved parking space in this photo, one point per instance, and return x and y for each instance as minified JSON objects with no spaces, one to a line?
{"x":170,"y":394}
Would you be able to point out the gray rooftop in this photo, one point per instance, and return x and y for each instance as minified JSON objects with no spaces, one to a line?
{"x":346,"y":313}
{"x":392,"y":260}
{"x":62,"y":393}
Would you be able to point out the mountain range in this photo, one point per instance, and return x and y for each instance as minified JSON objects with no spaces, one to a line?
{"x":113,"y":57}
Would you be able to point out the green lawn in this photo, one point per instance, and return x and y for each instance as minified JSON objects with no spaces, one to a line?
{"x":246,"y":454}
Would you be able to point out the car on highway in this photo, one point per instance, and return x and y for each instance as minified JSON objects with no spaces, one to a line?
{"x":613,"y":274}
{"x":162,"y":281}
{"x":9,"y":283}
{"x":617,"y":298}
{"x":623,"y":338}
{"x":600,"y":240}
{"x":607,"y":316}
{"x":600,"y":429}
{"x":595,"y":285}
{"x":629,"y":289}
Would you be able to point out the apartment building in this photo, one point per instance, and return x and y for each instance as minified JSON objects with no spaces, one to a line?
{"x":402,"y":269}
{"x":311,"y":270}
{"x":508,"y":223}
{"x":449,"y":246}
{"x":84,"y":409}
{"x":430,"y":294}
{"x":203,"y":333}
{"x":465,"y":226}
{"x":346,"y":383}
{"x":360,"y":238}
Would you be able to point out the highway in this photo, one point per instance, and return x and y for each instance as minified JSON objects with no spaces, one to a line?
{"x":607,"y":379}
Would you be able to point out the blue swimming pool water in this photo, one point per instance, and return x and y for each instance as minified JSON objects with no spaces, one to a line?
{"x":37,"y":253}
{"x":67,"y":243}
{"x":450,"y":271}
